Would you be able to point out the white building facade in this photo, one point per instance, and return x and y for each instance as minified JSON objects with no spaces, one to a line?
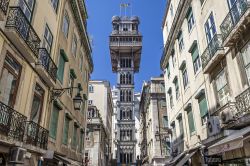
{"x":205,"y":63}
{"x":100,"y":96}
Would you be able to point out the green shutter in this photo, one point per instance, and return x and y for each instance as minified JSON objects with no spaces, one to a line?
{"x":191,"y":121}
{"x":60,"y":72}
{"x":74,"y":139}
{"x":81,"y":141}
{"x":195,"y":53}
{"x":54,"y":122}
{"x":203,"y":106}
{"x":66,"y":130}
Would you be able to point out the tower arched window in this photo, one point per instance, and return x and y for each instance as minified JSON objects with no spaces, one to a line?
{"x":122,"y":95}
{"x":131,"y":114}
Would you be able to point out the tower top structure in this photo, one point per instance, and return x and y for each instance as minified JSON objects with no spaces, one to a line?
{"x":125,"y":41}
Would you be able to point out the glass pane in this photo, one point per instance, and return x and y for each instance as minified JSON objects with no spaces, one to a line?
{"x":36,"y":109}
{"x":221,"y":80}
{"x":203,"y":107}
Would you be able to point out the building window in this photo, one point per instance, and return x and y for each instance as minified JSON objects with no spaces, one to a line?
{"x":190,"y":121}
{"x":196,"y":59}
{"x":245,"y":52}
{"x":222,"y":88}
{"x":190,"y":19}
{"x":54,"y":4}
{"x":81,"y":62}
{"x":203,"y":109}
{"x":181,"y":127}
{"x":174,"y":131}
{"x":9,"y":81}
{"x":74,"y":45}
{"x":27,"y":7}
{"x":66,"y":130}
{"x":65,"y":27}
{"x":37,"y":105}
{"x":180,"y":41}
{"x":90,"y":102}
{"x":210,"y":28}
{"x":177,"y":90}
{"x":91,"y":89}
{"x":125,"y":63}
{"x":71,"y":84}
{"x":54,"y":122}
{"x":171,"y":10}
{"x":171,"y":103}
{"x":165,"y":121}
{"x":163,"y":104}
{"x":61,"y":66}
{"x":173,"y":59}
{"x":81,"y":142}
{"x":74,"y":139}
{"x":48,"y":39}
{"x":185,"y":77}
{"x":168,"y":70}
{"x":202,"y":1}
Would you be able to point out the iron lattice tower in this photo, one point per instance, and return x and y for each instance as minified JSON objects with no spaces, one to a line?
{"x":125,"y":50}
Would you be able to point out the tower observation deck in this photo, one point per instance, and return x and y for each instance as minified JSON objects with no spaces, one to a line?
{"x":125,"y":43}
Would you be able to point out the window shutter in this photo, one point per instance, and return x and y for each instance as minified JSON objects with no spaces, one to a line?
{"x":60,"y":73}
{"x":203,"y":106}
{"x":195,"y":53}
{"x":66,"y":130}
{"x":53,"y":122}
{"x":191,"y":121}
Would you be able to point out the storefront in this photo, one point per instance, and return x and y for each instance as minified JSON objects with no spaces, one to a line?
{"x":235,"y":149}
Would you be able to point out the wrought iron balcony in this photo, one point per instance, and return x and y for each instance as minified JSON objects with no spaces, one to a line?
{"x":22,"y":34}
{"x":46,"y":66}
{"x":4,"y":4}
{"x":36,"y":135}
{"x":243,"y":103}
{"x":231,"y":21}
{"x":12,"y":123}
{"x":213,"y":53}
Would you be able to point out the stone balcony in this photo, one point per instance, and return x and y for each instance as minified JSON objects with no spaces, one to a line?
{"x":236,"y":23}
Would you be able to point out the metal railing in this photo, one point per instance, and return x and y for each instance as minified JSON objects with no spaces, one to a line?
{"x":233,"y":17}
{"x":231,"y":106}
{"x":213,"y":46}
{"x":243,"y":103}
{"x":12,"y":123}
{"x":47,"y":62}
{"x":4,"y":4}
{"x":17,"y":20}
{"x":36,"y":135}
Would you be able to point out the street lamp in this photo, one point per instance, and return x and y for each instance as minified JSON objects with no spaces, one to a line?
{"x":77,"y":100}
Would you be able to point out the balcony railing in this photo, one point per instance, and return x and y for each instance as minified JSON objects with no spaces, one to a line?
{"x":47,"y":62}
{"x":233,"y":17}
{"x":243,"y":103}
{"x":4,"y":4}
{"x":12,"y":123}
{"x":214,"y":45}
{"x":36,"y":135}
{"x":17,"y":20}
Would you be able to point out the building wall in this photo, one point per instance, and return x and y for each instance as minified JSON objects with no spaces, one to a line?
{"x":226,"y":58}
{"x":31,"y":74}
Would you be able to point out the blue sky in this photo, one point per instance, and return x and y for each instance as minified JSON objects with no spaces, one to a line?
{"x":99,"y":27}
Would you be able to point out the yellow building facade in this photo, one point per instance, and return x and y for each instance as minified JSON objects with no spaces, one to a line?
{"x":45,"y":51}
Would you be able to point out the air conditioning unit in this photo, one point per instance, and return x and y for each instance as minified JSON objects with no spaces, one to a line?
{"x":17,"y":155}
{"x":228,"y":115}
{"x":213,"y":126}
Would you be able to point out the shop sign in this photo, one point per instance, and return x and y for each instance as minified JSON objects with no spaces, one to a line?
{"x":214,"y":159}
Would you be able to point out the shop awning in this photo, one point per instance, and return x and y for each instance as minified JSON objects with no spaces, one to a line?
{"x":63,"y":159}
{"x":175,"y":159}
{"x":186,"y":158}
{"x":233,"y":141}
